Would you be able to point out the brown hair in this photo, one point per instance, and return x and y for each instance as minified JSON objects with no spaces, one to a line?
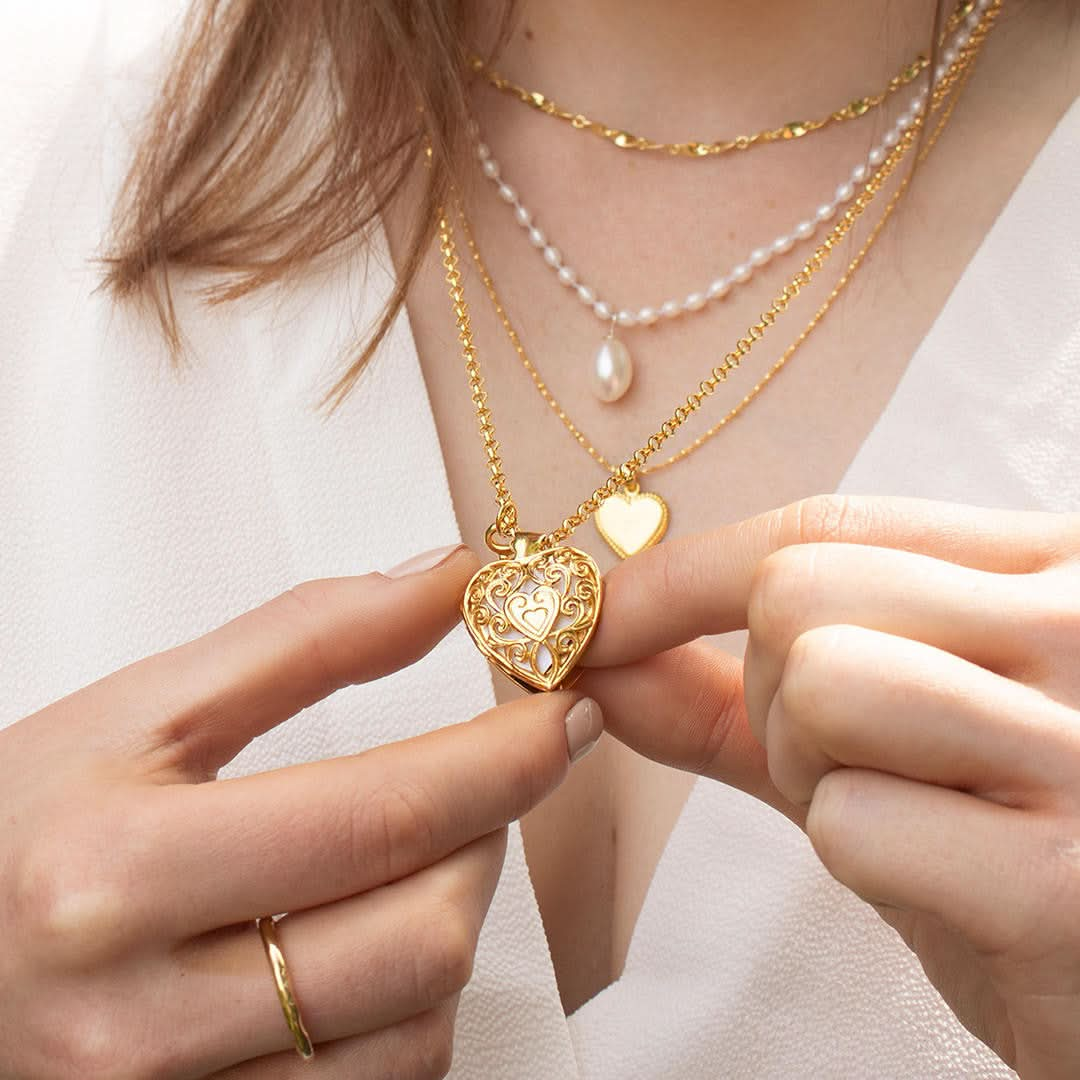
{"x":232,"y":175}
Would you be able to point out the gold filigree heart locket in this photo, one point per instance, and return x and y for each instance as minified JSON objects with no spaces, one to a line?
{"x":533,"y":614}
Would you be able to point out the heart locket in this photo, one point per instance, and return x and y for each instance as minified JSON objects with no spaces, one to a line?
{"x":534,"y":614}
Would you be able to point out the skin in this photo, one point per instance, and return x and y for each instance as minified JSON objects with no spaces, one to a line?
{"x":649,"y":228}
{"x":129,"y":878}
{"x":942,"y":785}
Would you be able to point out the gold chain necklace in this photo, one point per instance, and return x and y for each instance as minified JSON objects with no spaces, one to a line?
{"x":794,"y":129}
{"x":533,"y":611}
{"x":637,"y":520}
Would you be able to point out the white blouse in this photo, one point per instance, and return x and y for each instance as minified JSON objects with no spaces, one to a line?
{"x":141,"y":508}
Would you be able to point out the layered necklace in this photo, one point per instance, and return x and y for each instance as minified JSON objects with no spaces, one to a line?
{"x":533,"y":611}
{"x":612,"y":370}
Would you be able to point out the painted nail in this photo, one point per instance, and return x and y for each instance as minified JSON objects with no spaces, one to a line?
{"x":427,"y":561}
{"x":584,"y":725}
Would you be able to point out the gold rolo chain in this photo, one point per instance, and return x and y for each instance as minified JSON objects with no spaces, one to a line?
{"x":506,"y":521}
{"x":793,"y":129}
{"x":581,"y":438}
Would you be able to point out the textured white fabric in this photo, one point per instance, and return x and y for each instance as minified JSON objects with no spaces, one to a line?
{"x":140,"y":509}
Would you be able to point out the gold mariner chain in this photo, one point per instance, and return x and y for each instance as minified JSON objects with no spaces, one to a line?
{"x":793,"y":129}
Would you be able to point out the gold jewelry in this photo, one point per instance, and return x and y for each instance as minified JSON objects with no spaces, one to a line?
{"x":624,"y":140}
{"x":533,"y":612}
{"x":794,"y":129}
{"x":530,"y":646}
{"x":635,"y":520}
{"x":276,"y":958}
{"x":632,"y":520}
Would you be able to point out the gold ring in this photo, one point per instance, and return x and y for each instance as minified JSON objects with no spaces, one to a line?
{"x":284,"y":988}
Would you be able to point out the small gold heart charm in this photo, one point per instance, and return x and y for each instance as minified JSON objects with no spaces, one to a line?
{"x":632,"y":520}
{"x":532,"y":616}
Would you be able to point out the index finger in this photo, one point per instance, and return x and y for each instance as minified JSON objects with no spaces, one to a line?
{"x":700,"y":585}
{"x":190,"y":709}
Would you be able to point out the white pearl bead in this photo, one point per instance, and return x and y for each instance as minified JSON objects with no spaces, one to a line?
{"x":939,"y":72}
{"x":783,"y":244}
{"x":962,"y":39}
{"x":612,"y":370}
{"x":950,"y":56}
{"x":903,"y":122}
{"x":537,"y":238}
{"x":972,"y":21}
{"x":552,"y":257}
{"x":647,"y":316}
{"x":742,"y":273}
{"x":876,"y":156}
{"x":719,"y":289}
{"x":669,"y":309}
{"x":804,"y":230}
{"x":845,"y":192}
{"x":491,"y":168}
{"x":507,"y":193}
{"x":586,"y":295}
{"x":825,"y":211}
{"x":523,"y":217}
{"x":567,"y":276}
{"x":892,"y":137}
{"x":694,"y":302}
{"x":626,"y":318}
{"x":602,"y":309}
{"x":482,"y":151}
{"x":859,"y":174}
{"x":760,"y":256}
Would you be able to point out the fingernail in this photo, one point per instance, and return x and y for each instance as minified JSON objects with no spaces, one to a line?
{"x":427,"y":561}
{"x":584,"y":725}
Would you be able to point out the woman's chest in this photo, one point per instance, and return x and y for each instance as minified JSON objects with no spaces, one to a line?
{"x":789,"y":422}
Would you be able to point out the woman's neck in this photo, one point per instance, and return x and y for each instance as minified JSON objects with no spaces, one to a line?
{"x":682,"y":69}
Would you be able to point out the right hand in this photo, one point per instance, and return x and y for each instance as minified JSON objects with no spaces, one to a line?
{"x":130,"y":877}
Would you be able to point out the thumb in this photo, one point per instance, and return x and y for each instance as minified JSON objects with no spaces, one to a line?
{"x":685,"y":708}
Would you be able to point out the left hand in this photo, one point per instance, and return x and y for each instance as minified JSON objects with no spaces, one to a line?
{"x":910,"y":696}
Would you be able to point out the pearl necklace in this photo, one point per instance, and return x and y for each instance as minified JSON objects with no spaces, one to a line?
{"x":721,"y":287}
{"x":613,"y":372}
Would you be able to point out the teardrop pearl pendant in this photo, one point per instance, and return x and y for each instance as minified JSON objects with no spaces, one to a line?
{"x":613,"y":370}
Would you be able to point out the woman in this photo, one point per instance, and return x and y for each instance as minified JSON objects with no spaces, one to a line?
{"x":876,"y":872}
